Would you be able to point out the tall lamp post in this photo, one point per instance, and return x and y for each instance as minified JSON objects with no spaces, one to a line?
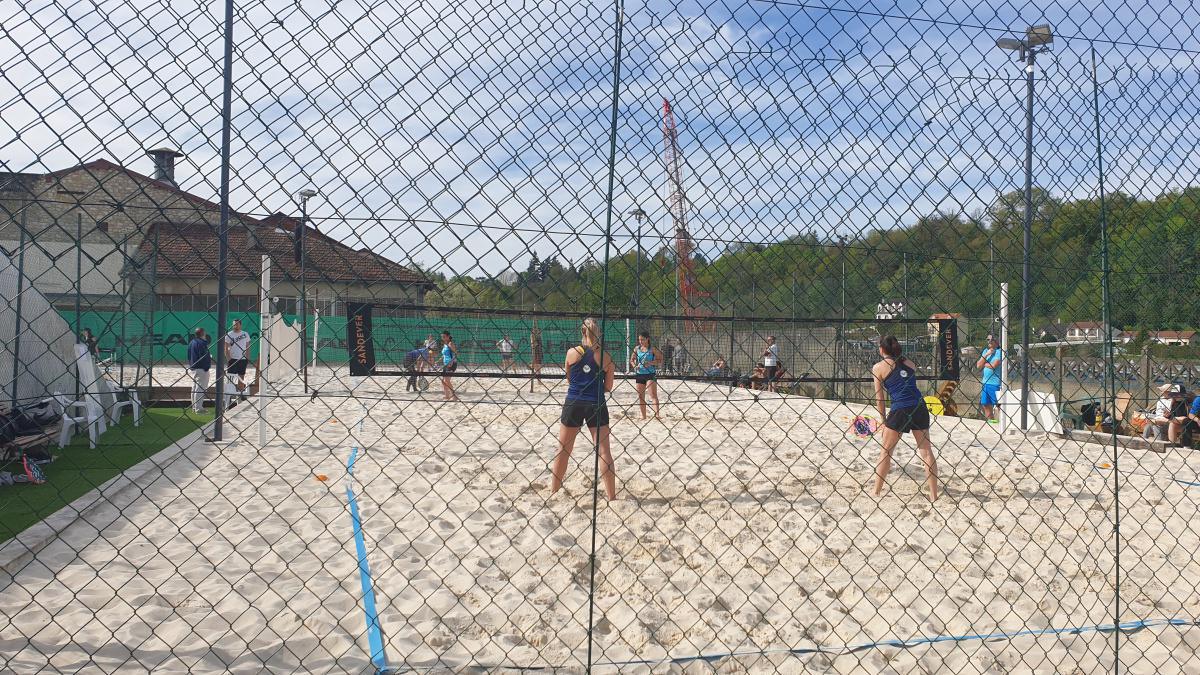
{"x":639,"y":215}
{"x":1036,"y":41}
{"x":302,"y":259}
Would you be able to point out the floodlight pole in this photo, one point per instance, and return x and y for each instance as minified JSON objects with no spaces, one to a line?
{"x":1037,"y":39}
{"x":223,"y":227}
{"x":1030,"y":55}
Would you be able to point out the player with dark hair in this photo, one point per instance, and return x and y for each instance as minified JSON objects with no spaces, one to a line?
{"x":897,"y":377}
{"x":449,"y":365}
{"x":645,"y":360}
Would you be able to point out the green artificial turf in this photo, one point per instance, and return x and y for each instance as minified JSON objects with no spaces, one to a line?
{"x":79,"y":469}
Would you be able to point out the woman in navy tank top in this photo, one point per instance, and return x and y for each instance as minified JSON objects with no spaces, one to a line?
{"x":589,"y":377}
{"x":896,"y":377}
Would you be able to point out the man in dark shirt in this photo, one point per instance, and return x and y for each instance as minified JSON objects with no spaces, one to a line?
{"x":199,"y":363}
{"x":89,"y":339}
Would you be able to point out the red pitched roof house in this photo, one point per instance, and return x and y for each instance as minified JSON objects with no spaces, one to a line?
{"x":144,"y":231}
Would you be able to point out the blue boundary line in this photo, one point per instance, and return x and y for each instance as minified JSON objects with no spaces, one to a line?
{"x":1124,"y":627}
{"x":374,"y":628}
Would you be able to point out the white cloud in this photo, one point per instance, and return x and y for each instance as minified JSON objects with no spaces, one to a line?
{"x":498,"y":115}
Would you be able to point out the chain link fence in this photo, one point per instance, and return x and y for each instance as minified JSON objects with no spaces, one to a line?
{"x":299,"y":343}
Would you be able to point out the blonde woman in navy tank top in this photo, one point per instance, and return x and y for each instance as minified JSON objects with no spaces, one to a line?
{"x":589,"y":378}
{"x":896,"y":378}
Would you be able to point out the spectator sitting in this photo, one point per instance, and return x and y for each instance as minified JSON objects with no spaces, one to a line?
{"x":1166,"y":415}
{"x":758,"y":378}
{"x":716,"y":369}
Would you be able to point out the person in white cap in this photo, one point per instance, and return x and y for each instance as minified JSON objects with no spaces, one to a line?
{"x":1165,"y":415}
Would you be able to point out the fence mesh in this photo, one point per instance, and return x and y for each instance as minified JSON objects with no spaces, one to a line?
{"x":747,"y":197}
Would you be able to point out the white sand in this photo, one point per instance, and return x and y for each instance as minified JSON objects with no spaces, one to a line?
{"x":741,"y":525}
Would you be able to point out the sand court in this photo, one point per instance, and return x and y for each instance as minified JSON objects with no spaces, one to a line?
{"x":743,"y":527}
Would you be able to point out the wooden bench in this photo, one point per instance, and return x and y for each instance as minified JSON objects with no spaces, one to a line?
{"x":1126,"y":442}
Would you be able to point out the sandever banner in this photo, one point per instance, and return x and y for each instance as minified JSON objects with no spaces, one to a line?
{"x":947,"y":349}
{"x":358,"y":342}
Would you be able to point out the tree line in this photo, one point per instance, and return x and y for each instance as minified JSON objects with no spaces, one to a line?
{"x":945,"y":262}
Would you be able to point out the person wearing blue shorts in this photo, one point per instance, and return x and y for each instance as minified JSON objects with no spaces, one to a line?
{"x":989,"y":361}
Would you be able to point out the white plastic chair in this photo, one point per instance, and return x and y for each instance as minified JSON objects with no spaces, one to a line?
{"x":132,"y":401}
{"x":91,"y":418}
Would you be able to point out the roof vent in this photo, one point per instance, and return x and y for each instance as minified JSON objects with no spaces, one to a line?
{"x":164,"y":164}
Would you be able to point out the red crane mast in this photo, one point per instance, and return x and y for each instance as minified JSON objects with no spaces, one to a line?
{"x":678,"y":205}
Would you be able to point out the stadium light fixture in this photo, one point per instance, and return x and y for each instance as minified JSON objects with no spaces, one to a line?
{"x":1036,"y":36}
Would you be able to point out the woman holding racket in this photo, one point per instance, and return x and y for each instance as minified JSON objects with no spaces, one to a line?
{"x":897,"y":376}
{"x":589,"y":377}
{"x":449,"y":365}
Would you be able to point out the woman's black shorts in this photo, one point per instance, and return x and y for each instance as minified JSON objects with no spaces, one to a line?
{"x":576,"y":413}
{"x":450,"y":367}
{"x":903,"y":420}
{"x":771,"y":372}
{"x":643,"y":378}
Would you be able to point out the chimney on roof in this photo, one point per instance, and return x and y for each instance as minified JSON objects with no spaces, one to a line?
{"x":164,"y":164}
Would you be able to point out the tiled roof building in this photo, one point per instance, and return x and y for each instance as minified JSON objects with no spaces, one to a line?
{"x":133,"y":232}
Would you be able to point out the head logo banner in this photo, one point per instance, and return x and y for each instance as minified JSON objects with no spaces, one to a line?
{"x":358,"y":342}
{"x":947,"y":349}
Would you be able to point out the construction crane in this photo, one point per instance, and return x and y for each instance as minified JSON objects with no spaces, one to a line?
{"x":678,"y":205}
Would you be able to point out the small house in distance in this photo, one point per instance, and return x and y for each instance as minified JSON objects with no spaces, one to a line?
{"x":1180,"y":338}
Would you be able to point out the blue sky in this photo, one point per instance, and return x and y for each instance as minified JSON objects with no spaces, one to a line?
{"x":794,"y":117}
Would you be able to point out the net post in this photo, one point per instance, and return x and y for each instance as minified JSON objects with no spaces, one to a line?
{"x":627,"y":344}
{"x":264,"y":348}
{"x":1004,"y":353}
{"x":316,"y":333}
